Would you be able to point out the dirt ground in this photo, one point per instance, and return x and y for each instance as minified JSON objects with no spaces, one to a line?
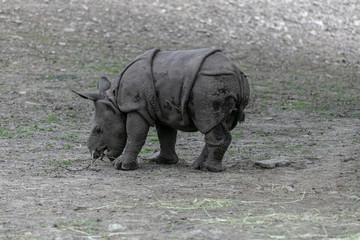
{"x":302,"y":59}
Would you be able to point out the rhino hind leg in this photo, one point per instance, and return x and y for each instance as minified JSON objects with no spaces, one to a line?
{"x":199,"y":162}
{"x":217,"y":141}
{"x":167,"y":138}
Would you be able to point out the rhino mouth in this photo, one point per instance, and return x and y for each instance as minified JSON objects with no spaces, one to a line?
{"x":103,"y":152}
{"x":99,"y":154}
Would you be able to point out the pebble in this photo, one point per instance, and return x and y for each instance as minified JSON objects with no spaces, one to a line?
{"x":272,"y":163}
{"x":172,"y":212}
{"x":354,"y":198}
{"x":114,"y":227}
{"x":289,"y":188}
{"x":259,"y":188}
{"x":69,"y":30}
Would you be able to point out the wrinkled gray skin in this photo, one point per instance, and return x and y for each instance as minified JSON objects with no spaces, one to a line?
{"x":124,"y":134}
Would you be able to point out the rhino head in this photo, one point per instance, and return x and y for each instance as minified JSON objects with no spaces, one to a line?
{"x":108,"y":134}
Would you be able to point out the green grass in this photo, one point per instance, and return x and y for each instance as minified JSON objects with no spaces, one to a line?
{"x":52,"y":118}
{"x":49,"y":145}
{"x":66,"y":163}
{"x":85,"y":227}
{"x":68,"y":146}
{"x":4,"y":133}
{"x":237,"y":134}
{"x":25,"y":129}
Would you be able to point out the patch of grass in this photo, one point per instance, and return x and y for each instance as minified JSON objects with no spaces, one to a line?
{"x":110,"y":67}
{"x":66,"y":163}
{"x":298,"y":106}
{"x":53,"y":118}
{"x":145,"y":150}
{"x":356,"y":115}
{"x":49,"y":145}
{"x":83,"y":226}
{"x":237,"y":134}
{"x":71,"y":137}
{"x":261,"y":133}
{"x":67,"y":146}
{"x":231,"y":153}
{"x":4,"y":133}
{"x":61,"y":77}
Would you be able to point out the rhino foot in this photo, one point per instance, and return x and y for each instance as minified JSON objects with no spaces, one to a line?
{"x":213,"y":167}
{"x":205,"y":166}
{"x":122,"y":164}
{"x":198,"y":164}
{"x":161,"y":160}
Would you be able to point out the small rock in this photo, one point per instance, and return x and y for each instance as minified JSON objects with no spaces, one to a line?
{"x":216,"y":232}
{"x":17,"y":37}
{"x":269,"y":118}
{"x":272,"y":163}
{"x":354,"y":198}
{"x":69,"y":30}
{"x":259,"y":188}
{"x":114,"y":227}
{"x":17,"y":21}
{"x":289,"y":188}
{"x":172,"y":212}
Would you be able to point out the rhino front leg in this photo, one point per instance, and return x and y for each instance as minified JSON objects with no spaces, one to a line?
{"x":167,"y":138}
{"x":137,"y":129}
{"x":217,"y":142}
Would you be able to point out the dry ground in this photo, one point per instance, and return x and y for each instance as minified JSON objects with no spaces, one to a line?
{"x":302,"y":58}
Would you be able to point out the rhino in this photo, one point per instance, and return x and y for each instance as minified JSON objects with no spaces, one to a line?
{"x":186,"y":90}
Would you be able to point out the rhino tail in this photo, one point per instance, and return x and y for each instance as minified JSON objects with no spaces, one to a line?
{"x":243,"y":99}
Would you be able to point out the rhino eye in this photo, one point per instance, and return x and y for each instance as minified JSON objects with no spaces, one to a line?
{"x":97,"y":129}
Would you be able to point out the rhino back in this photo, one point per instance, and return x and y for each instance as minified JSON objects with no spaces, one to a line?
{"x":197,"y":95}
{"x":174,"y":74}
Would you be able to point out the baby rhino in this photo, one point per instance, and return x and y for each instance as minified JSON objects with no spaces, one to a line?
{"x":188,"y":90}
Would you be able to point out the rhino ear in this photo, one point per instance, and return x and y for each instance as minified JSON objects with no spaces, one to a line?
{"x":90,"y":96}
{"x":103,"y":84}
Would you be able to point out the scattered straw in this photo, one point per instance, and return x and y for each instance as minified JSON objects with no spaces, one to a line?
{"x":171,"y":104}
{"x":193,"y":204}
{"x":89,"y":236}
{"x":111,"y":205}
